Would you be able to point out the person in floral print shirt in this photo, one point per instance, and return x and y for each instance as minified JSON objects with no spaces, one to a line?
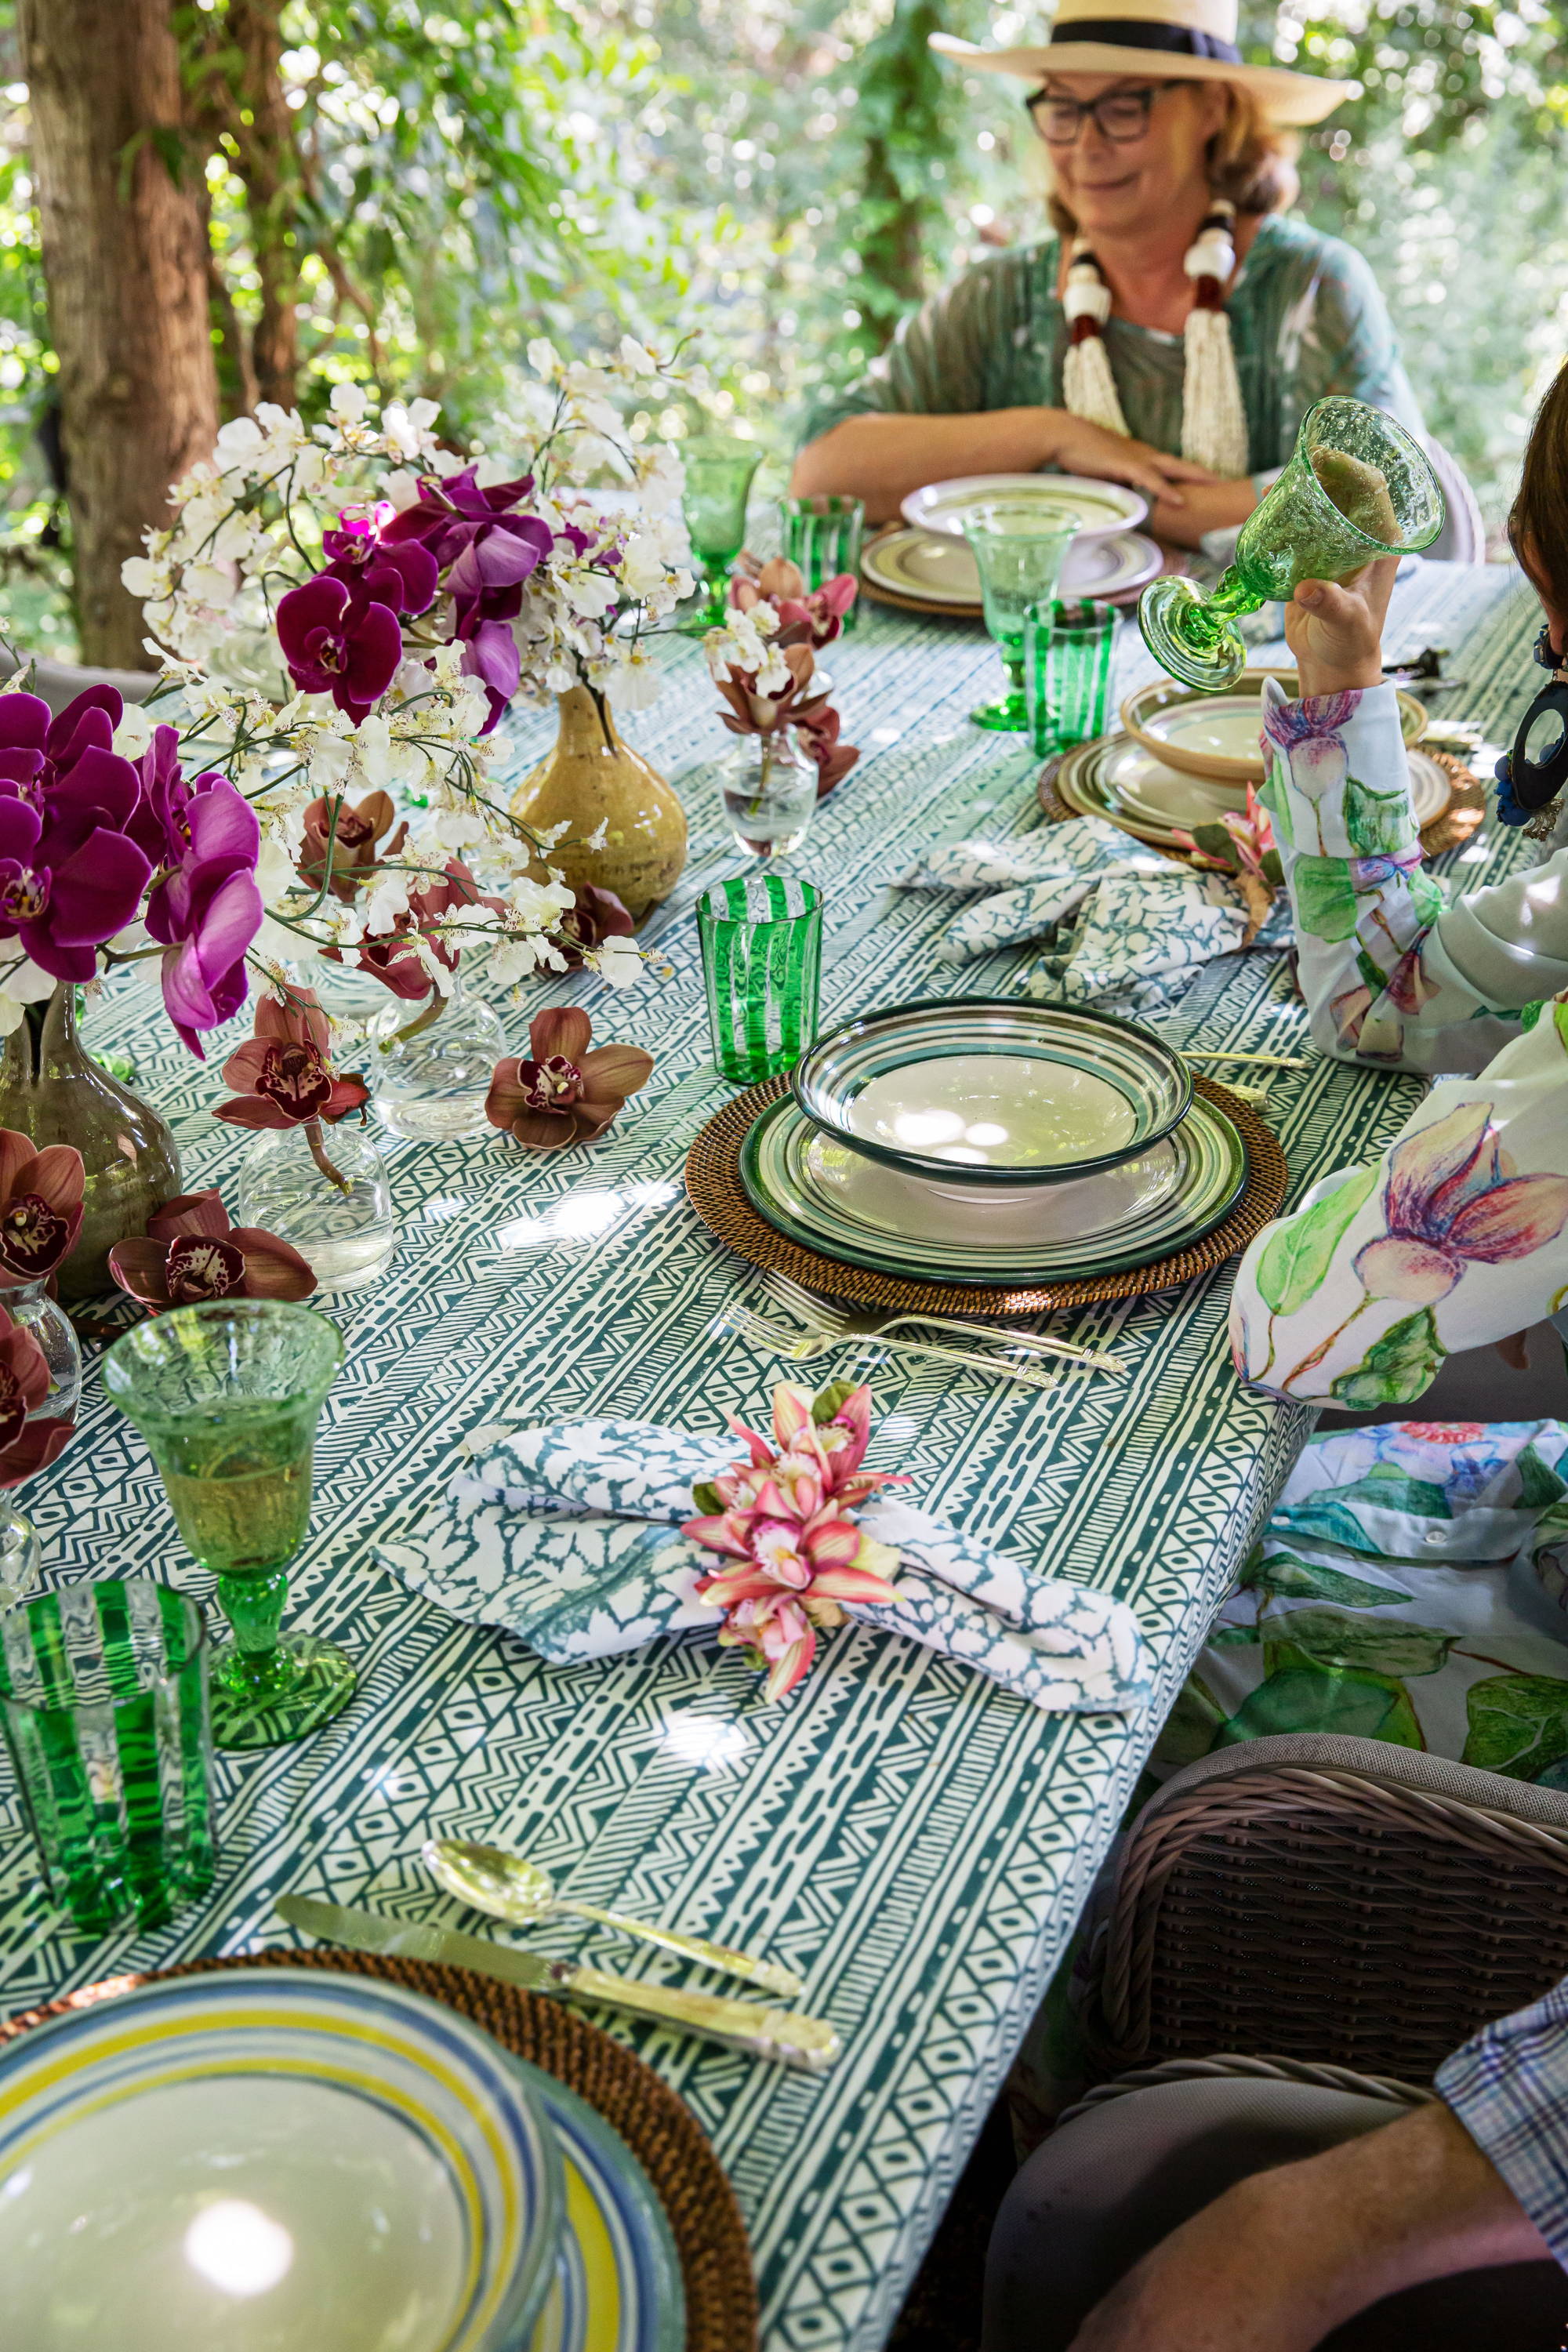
{"x":1459,"y":1235}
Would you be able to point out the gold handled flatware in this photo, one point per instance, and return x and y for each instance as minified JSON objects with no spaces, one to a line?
{"x":510,"y":1887}
{"x":815,"y":1313}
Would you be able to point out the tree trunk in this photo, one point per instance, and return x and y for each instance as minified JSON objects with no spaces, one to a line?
{"x":126,"y":266}
{"x":269,"y":169}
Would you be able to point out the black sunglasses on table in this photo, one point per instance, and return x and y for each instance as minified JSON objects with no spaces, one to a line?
{"x":1120,"y":115}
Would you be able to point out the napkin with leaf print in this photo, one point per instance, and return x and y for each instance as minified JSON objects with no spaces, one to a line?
{"x":1144,"y":923}
{"x":568,"y":1537}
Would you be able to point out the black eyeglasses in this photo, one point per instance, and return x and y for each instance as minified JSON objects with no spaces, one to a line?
{"x":1120,"y":115}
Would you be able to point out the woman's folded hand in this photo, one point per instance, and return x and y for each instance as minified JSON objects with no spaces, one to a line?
{"x":1083,"y":449}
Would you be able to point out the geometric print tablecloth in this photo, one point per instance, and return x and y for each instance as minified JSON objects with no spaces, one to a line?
{"x":913,"y":1840}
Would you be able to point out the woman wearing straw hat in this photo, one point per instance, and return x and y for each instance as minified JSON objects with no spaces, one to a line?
{"x":1174,"y":331}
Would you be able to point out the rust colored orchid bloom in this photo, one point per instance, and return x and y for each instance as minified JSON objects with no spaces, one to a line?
{"x":392,"y":958}
{"x":192,"y":1254}
{"x":807,"y":617}
{"x":563,"y":1094}
{"x":41,"y":1206}
{"x":356,"y":842}
{"x":819,"y":740}
{"x":593,"y":916}
{"x":751,"y":713}
{"x":29,"y":1443}
{"x":282,"y":1076}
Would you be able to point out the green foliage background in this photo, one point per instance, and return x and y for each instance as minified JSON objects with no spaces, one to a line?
{"x":784,"y":179}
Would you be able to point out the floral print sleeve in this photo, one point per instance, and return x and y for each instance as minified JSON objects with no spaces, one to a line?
{"x":1392,"y":971}
{"x":1455,"y":1238}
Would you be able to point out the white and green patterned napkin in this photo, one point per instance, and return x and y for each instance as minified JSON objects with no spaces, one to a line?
{"x":1146,"y":924}
{"x":567,"y":1536}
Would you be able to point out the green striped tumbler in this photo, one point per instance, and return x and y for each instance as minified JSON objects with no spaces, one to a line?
{"x":761,"y":962}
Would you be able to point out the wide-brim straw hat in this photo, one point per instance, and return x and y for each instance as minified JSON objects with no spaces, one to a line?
{"x":1176,"y":40}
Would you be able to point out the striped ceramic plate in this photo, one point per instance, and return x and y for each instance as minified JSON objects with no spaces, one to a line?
{"x":828,"y":1196}
{"x":617,"y":2284}
{"x":277,"y":2158}
{"x":994,"y":1089}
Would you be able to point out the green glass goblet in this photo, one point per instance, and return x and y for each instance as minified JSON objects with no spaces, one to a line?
{"x":1019,"y":552}
{"x":1358,"y":486}
{"x":227,"y":1396}
{"x":718,"y":475}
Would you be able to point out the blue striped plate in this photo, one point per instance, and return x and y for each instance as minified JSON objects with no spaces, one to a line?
{"x":272,"y":2161}
{"x":617,"y":2284}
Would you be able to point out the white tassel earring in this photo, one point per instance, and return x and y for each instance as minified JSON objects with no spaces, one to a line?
{"x":1088,"y":387}
{"x":1214,"y":422}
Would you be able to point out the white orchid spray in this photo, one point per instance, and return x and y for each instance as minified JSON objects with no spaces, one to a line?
{"x":343,"y":611}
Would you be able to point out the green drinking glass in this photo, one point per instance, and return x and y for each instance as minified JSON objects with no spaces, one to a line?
{"x":822,"y":537}
{"x":104,"y":1701}
{"x":1358,"y":486}
{"x":1019,"y":553}
{"x":1068,"y":648}
{"x":760,"y":936}
{"x":227,"y":1396}
{"x":719,"y":476}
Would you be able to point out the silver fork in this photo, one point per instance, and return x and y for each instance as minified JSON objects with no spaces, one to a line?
{"x":799,"y":1301}
{"x":830,"y":1334}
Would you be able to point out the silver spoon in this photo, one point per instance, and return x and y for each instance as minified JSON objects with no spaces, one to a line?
{"x":511,"y":1888}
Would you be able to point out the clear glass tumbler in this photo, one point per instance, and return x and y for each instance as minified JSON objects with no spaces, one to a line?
{"x":718,"y":475}
{"x":822,"y":536}
{"x":1067,"y":671}
{"x":227,"y":1396}
{"x":761,"y":962}
{"x":1020,"y":551}
{"x":103,"y":1700}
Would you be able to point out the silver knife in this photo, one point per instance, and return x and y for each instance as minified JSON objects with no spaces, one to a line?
{"x":786,"y":2035}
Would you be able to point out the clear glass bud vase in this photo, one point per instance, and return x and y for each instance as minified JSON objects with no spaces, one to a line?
{"x":770,"y":792}
{"x":29,"y":1305}
{"x":324,"y":1189}
{"x":430,"y":1065}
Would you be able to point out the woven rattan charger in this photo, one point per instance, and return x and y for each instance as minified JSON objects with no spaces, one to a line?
{"x":713,"y":1184}
{"x":698,"y":2202}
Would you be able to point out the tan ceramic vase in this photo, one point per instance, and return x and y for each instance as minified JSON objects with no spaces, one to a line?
{"x":52,"y":1090}
{"x":592,"y":776}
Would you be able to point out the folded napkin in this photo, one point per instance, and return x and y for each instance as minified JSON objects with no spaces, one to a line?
{"x":1146,"y":924}
{"x":567,"y":1536}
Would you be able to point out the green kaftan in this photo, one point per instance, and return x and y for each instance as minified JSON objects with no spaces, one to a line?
{"x":1305,"y":318}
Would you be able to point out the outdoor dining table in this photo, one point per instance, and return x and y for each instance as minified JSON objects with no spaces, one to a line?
{"x":915,"y":1841}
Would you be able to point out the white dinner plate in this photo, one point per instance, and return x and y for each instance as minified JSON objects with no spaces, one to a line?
{"x":934,"y":570}
{"x":1094,"y":507}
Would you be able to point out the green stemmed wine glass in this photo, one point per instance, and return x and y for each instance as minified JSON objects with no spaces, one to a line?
{"x":228,"y":1395}
{"x":1358,"y":486}
{"x":1019,"y":551}
{"x":719,"y":476}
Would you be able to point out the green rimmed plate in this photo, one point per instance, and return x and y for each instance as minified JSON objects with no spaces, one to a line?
{"x":994,"y":1089}
{"x":832,"y":1198}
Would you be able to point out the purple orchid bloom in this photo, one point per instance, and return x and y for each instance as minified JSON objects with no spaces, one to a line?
{"x":336,"y":645}
{"x":37,"y":749}
{"x":485,"y":551}
{"x":402,"y":577}
{"x":71,"y":873}
{"x":207,"y":913}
